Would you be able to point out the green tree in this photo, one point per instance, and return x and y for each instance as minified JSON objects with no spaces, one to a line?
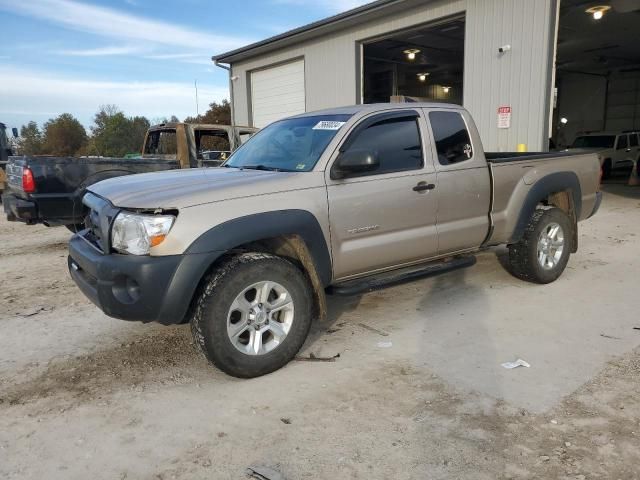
{"x":115,"y":134}
{"x":63,"y":136}
{"x":218,"y":113}
{"x":30,"y":139}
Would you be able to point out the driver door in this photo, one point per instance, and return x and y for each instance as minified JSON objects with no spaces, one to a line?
{"x":385,"y":218}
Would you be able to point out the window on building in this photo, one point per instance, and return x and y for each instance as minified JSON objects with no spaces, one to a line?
{"x":450,"y":133}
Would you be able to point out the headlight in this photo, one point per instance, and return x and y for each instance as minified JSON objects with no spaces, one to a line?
{"x":136,"y":234}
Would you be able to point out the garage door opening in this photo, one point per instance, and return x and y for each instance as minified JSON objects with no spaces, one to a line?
{"x":424,"y":64}
{"x":598,"y":75}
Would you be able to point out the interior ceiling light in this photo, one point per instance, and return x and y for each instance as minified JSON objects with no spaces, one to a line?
{"x":598,"y":11}
{"x":411,"y":53}
{"x":446,"y":89}
{"x":423,"y":76}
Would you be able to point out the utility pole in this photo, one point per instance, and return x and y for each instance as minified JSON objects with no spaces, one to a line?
{"x":195,"y":84}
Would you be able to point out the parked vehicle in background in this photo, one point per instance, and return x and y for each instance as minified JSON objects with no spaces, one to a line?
{"x":346,"y":200}
{"x":5,"y":153}
{"x":616,"y":150}
{"x":49,"y":190}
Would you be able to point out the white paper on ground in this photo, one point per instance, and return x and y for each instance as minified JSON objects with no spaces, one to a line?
{"x":518,"y":363}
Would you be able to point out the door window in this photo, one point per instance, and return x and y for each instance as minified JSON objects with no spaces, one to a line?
{"x":623,"y":142}
{"x":396,"y":141}
{"x":212,"y":144}
{"x":633,"y":140}
{"x":451,"y":136}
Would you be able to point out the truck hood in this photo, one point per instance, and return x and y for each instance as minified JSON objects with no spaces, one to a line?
{"x":185,"y":188}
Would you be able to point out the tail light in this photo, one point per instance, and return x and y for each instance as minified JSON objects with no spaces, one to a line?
{"x":28,"y":182}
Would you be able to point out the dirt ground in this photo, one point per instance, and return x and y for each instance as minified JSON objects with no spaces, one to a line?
{"x":417,"y":392}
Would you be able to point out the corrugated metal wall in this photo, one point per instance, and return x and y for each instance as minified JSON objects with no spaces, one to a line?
{"x":623,"y":102}
{"x":519,"y":78}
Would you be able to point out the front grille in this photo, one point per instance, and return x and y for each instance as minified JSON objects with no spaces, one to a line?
{"x":98,"y":221}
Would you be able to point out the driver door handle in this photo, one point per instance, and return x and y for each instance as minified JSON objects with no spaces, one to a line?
{"x":424,"y":187}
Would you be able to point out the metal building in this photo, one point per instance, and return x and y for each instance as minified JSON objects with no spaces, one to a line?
{"x":495,"y":57}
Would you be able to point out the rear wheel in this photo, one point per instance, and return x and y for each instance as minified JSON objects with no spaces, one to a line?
{"x":543,"y":252}
{"x":75,"y":227}
{"x":252,"y":314}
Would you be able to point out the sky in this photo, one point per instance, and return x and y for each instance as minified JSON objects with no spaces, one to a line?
{"x":71,"y":56}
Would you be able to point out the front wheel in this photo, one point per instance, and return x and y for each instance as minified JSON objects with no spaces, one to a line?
{"x":252,"y":314}
{"x":543,"y":252}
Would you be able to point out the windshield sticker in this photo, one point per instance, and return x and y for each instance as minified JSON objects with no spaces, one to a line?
{"x":328,"y":125}
{"x":301,"y":166}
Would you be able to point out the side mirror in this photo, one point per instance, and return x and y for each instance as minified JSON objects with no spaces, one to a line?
{"x":354,"y":162}
{"x":15,"y":132}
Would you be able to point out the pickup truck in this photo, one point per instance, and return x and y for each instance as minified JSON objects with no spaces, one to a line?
{"x":341,"y":201}
{"x":615,"y":150}
{"x":49,"y":190}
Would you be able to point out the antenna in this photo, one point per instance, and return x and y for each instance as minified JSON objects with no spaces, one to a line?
{"x":195,"y":84}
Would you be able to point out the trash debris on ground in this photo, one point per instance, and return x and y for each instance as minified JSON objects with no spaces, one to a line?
{"x":264,"y":473}
{"x":286,"y":421}
{"x":34,"y":311}
{"x":313,"y":358}
{"x":636,"y":328}
{"x":518,"y":363}
{"x":609,"y":336}
{"x":374,"y":330}
{"x":385,"y":344}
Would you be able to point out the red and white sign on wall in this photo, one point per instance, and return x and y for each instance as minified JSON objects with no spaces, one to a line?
{"x":504,"y":117}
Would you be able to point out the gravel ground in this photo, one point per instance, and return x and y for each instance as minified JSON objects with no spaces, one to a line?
{"x":417,"y":392}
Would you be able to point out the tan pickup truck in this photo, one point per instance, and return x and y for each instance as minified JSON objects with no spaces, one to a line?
{"x":340,"y":201}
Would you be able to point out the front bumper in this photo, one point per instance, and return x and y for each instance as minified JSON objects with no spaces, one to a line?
{"x":596,"y":207}
{"x":138,"y":288}
{"x":18,"y":209}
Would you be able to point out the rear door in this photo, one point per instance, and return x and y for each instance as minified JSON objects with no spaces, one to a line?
{"x":464,"y":185}
{"x":622,"y":155}
{"x":385,"y":218}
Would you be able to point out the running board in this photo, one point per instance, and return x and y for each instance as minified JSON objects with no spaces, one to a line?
{"x":396,"y":277}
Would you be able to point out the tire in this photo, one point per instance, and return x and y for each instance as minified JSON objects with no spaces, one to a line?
{"x":75,"y":227}
{"x":606,"y":169}
{"x":214,"y":314}
{"x":524,"y":256}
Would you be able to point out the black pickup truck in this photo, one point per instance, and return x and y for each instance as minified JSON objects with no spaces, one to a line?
{"x":49,"y":190}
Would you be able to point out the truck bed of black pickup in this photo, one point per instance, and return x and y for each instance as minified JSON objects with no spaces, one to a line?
{"x":60,"y":182}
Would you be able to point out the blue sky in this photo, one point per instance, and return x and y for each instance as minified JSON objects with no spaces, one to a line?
{"x":142,"y":55}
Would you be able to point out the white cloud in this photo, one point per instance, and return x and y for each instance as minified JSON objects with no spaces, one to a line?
{"x":31,"y":94}
{"x":101,"y":51}
{"x":116,"y":24}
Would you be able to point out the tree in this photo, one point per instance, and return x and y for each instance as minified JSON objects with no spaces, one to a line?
{"x":30,"y":139}
{"x":63,"y":136}
{"x":218,"y":113}
{"x":114,"y":134}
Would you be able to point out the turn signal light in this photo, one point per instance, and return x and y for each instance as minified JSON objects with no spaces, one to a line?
{"x":28,"y":182}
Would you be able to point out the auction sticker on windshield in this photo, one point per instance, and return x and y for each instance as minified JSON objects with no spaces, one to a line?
{"x":328,"y":125}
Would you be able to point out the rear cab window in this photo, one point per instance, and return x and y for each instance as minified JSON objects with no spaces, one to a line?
{"x":451,"y":136}
{"x":162,"y":143}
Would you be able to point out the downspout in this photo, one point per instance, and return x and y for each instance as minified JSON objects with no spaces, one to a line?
{"x":228,"y":69}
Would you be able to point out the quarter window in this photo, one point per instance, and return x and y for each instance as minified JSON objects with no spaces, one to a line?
{"x":453,"y":143}
{"x":397,"y":143}
{"x":633,"y":140}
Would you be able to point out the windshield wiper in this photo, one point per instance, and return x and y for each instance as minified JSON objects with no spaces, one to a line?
{"x":263,"y":167}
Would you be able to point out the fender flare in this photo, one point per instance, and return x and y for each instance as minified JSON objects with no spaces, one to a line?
{"x":545,"y":186}
{"x":261,"y":226}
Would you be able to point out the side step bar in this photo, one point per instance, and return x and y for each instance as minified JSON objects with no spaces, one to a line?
{"x":396,"y":277}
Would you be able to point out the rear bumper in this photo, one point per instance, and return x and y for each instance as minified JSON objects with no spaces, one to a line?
{"x":18,"y":209}
{"x":137,"y":288}
{"x":596,"y":207}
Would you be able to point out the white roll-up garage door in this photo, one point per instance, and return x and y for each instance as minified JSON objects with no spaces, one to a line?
{"x":277,"y":92}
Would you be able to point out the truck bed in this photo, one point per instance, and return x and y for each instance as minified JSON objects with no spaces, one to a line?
{"x":505,"y":157}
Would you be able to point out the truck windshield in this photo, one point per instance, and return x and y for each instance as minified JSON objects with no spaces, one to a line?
{"x":293,"y":144}
{"x":594,"y":141}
